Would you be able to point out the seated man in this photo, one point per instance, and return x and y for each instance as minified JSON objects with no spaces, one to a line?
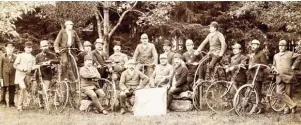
{"x":179,"y":81}
{"x":130,"y":81}
{"x":167,"y":51}
{"x":162,"y":74}
{"x":88,"y":74}
{"x":118,"y":59}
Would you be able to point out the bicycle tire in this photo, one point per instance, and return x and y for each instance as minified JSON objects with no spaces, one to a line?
{"x":45,"y":98}
{"x":197,"y":98}
{"x":61,"y":96}
{"x":275,"y":100}
{"x":219,"y":96}
{"x":109,"y":89}
{"x":245,"y":98}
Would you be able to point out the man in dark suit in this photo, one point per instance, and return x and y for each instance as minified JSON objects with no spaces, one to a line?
{"x":67,"y":38}
{"x":7,"y":74}
{"x":81,"y":55}
{"x":99,"y":57}
{"x":257,"y":57}
{"x":167,"y":51}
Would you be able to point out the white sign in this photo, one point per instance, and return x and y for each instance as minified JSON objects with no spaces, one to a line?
{"x":150,"y":102}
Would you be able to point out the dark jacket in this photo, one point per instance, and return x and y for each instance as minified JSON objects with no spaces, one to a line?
{"x":7,"y":71}
{"x":258,"y":57}
{"x":239,"y":59}
{"x":62,"y":38}
{"x":99,"y":58}
{"x":189,"y":58}
{"x":45,"y":70}
{"x":180,"y":75}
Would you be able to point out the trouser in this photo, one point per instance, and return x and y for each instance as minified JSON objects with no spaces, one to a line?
{"x":190,"y":81}
{"x":212,"y":63}
{"x":148,"y":70}
{"x":174,"y":91}
{"x":122,"y":97}
{"x":46,"y":87}
{"x":93,"y":93}
{"x":258,"y":89}
{"x":68,"y":68}
{"x":284,"y":91}
{"x":11,"y":97}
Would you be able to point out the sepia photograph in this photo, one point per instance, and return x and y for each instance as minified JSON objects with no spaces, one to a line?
{"x":150,"y":63}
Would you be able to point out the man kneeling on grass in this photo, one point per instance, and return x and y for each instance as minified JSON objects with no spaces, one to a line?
{"x":130,"y":82}
{"x":90,"y":87}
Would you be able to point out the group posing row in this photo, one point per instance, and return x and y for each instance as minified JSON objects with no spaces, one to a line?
{"x":174,"y":71}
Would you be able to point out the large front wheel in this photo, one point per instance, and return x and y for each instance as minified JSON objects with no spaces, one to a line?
{"x":61,"y":96}
{"x":245,"y":100}
{"x":219,"y":96}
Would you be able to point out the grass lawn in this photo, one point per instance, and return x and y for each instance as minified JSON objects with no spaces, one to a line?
{"x":9,"y":116}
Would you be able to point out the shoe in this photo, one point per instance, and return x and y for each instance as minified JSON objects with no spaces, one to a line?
{"x":20,"y":109}
{"x":104,"y":112}
{"x":122,"y":111}
{"x":286,"y":111}
{"x":2,"y":102}
{"x":11,"y":106}
{"x":293,"y":110}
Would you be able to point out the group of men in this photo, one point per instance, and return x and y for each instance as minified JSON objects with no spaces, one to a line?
{"x":169,"y":69}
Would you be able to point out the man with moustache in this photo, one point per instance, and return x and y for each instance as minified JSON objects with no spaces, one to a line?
{"x":81,"y":55}
{"x":167,"y":51}
{"x":130,"y":81}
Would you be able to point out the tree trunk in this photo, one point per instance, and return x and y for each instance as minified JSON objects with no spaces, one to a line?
{"x":98,"y":25}
{"x":106,"y":26}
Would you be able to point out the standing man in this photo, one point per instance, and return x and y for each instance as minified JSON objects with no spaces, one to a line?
{"x":146,"y":53}
{"x":238,"y":59}
{"x":24,"y":64}
{"x":163,"y":73}
{"x":99,"y":57}
{"x":67,"y":38}
{"x":81,"y":55}
{"x":179,"y":81}
{"x":217,"y":46}
{"x":167,"y":51}
{"x":7,"y":75}
{"x":130,"y":81}
{"x":191,"y":60}
{"x":43,"y":59}
{"x":285,"y":62}
{"x":257,"y":57}
{"x":119,"y":60}
{"x":90,"y":87}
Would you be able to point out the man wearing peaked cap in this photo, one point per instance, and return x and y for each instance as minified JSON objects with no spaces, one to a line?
{"x":81,"y":55}
{"x":167,"y":51}
{"x":217,"y":47}
{"x":191,"y":59}
{"x":236,"y":60}
{"x":119,"y":60}
{"x":130,"y":81}
{"x":7,"y":75}
{"x":90,"y":87}
{"x":67,"y":38}
{"x":285,"y":62}
{"x":257,"y":57}
{"x":179,"y":79}
{"x":162,"y":74}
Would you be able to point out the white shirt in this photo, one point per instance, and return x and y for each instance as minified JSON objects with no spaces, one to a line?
{"x":69,"y":42}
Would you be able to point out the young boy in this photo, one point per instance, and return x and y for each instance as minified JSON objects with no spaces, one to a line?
{"x":24,"y":64}
{"x":7,"y":74}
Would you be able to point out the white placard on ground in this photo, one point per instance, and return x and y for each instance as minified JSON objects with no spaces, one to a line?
{"x":150,"y":102}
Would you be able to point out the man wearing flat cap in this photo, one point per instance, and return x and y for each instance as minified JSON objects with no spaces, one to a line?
{"x":191,"y":60}
{"x":88,"y":75}
{"x":7,"y":75}
{"x":285,"y":62}
{"x":162,"y":74}
{"x":236,"y":60}
{"x":217,"y":46}
{"x":119,"y":60}
{"x":130,"y":81}
{"x":179,"y":79}
{"x":67,"y":38}
{"x":146,"y":53}
{"x":167,"y":51}
{"x":81,"y":55}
